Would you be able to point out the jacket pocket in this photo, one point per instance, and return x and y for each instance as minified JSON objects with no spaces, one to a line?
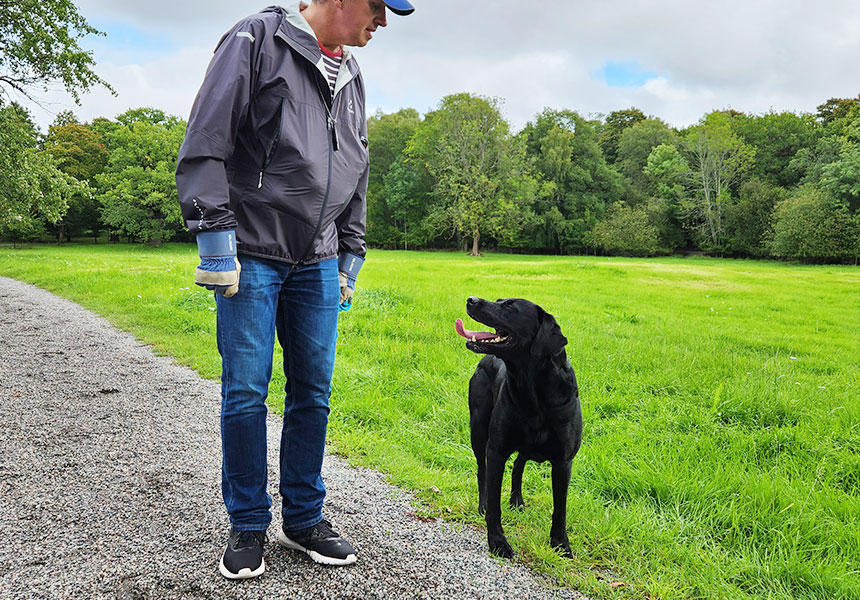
{"x":272,"y":147}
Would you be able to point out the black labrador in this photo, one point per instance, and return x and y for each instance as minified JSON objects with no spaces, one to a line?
{"x":523,"y":397}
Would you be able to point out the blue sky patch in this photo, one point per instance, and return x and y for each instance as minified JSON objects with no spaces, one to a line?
{"x":628,"y":73}
{"x":125,"y":43}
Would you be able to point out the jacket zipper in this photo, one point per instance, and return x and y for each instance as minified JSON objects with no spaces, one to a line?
{"x":270,"y":152}
{"x":331,"y":120}
{"x":332,"y":147}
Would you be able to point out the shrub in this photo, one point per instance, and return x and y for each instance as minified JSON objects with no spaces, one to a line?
{"x":812,"y":226}
{"x":625,"y":231}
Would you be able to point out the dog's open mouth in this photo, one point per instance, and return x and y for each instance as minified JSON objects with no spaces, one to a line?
{"x":484,"y":337}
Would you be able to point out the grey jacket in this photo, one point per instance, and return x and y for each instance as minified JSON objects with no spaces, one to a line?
{"x":268,"y":151}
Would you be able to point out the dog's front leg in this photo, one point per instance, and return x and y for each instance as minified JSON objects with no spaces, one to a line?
{"x":479,"y":447}
{"x":495,"y":535}
{"x":560,"y":482}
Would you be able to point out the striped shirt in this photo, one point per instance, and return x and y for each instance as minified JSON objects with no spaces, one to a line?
{"x":331,"y":62}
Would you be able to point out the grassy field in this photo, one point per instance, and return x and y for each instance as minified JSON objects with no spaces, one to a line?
{"x":721,"y":399}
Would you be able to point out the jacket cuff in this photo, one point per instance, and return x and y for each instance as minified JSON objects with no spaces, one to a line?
{"x":217,"y":243}
{"x":349,"y":264}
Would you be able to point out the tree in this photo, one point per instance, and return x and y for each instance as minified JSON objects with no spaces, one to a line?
{"x":667,"y":171}
{"x":718,"y":159}
{"x":841,"y":178}
{"x":471,"y":156}
{"x":550,"y":142}
{"x":635,"y":146}
{"x":576,"y":185}
{"x":408,"y":200}
{"x":65,"y":117}
{"x":32,"y":190}
{"x":137,"y":189}
{"x":626,"y":230}
{"x":837,"y":108}
{"x":613,"y":128}
{"x":777,"y":138}
{"x":806,"y":166}
{"x":748,"y":221}
{"x":813,"y":227}
{"x":78,"y":151}
{"x":39,"y":45}
{"x":393,"y":194}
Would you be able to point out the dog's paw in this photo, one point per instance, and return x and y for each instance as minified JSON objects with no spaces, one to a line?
{"x":500,"y":547}
{"x":517,"y":502}
{"x":562,"y":546}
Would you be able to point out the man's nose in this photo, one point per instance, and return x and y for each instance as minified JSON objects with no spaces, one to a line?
{"x":380,"y":19}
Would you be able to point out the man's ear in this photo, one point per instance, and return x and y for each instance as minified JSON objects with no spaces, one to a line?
{"x":549,"y":340}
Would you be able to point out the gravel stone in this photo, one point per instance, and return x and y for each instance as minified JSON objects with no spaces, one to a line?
{"x":110,"y":484}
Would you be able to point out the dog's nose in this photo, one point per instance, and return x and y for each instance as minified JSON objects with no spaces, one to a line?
{"x":472,"y":300}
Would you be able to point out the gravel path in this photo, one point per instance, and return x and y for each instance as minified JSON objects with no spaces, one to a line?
{"x":110,"y":484}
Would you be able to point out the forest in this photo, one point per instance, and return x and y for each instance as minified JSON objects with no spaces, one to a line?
{"x":780,"y":185}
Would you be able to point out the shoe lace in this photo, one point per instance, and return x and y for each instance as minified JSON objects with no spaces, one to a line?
{"x":324,"y":531}
{"x":251,"y":538}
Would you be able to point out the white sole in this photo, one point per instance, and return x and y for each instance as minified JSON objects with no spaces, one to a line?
{"x":243,"y":573}
{"x":315,"y":556}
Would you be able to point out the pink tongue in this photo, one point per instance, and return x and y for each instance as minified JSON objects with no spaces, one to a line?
{"x":478,"y":335}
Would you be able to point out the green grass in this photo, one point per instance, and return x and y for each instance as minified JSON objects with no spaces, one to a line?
{"x":721,"y":451}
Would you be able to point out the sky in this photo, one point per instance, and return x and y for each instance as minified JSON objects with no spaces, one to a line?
{"x":673,"y":59}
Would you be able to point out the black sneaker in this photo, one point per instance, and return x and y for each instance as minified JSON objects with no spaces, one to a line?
{"x":243,"y":557}
{"x":320,"y":543}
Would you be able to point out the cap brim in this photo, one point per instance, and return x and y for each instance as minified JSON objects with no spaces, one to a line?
{"x":399,"y":7}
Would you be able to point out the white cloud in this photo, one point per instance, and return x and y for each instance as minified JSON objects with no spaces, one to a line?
{"x":169,"y":84}
{"x":751,"y":56}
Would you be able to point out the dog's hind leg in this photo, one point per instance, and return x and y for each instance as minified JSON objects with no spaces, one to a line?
{"x":560,"y":482}
{"x":517,"y":482}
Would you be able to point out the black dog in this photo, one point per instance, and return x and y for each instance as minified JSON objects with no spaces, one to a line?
{"x":523,"y":397}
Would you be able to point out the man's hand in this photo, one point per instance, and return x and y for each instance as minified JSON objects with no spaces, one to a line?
{"x":345,"y":290}
{"x":348,"y":266}
{"x":219,"y":268}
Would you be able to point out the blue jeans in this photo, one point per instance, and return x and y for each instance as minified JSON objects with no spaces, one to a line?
{"x":301,"y":306}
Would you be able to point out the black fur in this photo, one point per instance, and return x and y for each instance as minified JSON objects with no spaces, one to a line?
{"x":523,"y":398}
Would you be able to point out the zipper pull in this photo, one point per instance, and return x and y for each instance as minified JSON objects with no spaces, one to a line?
{"x":260,"y":183}
{"x":331,"y":124}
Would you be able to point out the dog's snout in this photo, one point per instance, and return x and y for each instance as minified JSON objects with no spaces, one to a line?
{"x":472,"y":300}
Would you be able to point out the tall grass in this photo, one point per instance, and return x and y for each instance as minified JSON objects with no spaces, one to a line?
{"x":721,"y":451}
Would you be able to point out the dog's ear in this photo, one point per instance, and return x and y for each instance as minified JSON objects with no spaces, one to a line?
{"x":549,"y":340}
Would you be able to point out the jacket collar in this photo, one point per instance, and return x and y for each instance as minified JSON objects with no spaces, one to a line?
{"x":296,"y":31}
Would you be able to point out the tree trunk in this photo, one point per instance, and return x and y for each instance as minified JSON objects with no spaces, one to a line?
{"x":476,"y":236}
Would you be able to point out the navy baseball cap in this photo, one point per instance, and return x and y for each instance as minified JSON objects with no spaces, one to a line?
{"x":399,"y":7}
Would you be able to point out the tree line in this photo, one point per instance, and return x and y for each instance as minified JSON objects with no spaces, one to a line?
{"x":775,"y":185}
{"x":778,"y":185}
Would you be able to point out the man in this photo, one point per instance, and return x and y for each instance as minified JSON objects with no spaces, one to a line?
{"x":274,"y":170}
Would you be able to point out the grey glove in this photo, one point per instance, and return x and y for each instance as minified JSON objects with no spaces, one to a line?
{"x":345,"y":290}
{"x":219,"y":268}
{"x":348,"y":265}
